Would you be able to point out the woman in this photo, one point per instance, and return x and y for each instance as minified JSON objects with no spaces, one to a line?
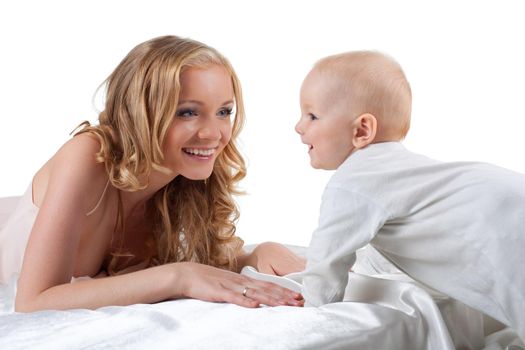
{"x":143,"y":202}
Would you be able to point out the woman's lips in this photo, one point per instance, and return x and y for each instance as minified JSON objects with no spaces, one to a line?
{"x":200,"y":153}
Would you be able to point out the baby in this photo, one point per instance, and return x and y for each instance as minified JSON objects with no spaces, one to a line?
{"x":456,"y":227}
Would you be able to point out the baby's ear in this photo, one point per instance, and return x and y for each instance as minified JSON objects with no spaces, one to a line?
{"x":364,"y":130}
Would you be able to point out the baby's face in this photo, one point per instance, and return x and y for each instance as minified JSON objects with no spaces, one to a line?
{"x":325,"y":125}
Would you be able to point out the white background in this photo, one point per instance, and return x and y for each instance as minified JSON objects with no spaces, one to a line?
{"x":465,"y":61}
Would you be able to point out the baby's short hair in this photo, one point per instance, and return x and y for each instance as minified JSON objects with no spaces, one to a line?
{"x":374,"y":83}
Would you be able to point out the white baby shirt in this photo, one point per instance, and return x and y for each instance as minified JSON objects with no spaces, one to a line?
{"x":456,"y":227}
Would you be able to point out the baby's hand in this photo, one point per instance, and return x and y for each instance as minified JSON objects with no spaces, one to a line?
{"x":275,"y":259}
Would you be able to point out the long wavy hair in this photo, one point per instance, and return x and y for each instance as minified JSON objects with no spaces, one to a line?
{"x":193,"y":220}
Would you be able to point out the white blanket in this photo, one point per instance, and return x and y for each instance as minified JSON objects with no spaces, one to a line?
{"x":378,"y":313}
{"x":385,"y":314}
{"x":397,"y":316}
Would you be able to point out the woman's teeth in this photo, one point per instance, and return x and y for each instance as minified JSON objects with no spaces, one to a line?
{"x":200,"y":152}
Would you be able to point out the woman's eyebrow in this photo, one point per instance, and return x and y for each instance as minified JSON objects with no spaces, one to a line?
{"x":191,"y":101}
{"x":202,"y":103}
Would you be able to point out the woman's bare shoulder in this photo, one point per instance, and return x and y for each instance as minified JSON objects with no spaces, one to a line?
{"x":74,"y":169}
{"x":80,"y":154}
{"x":83,"y":145}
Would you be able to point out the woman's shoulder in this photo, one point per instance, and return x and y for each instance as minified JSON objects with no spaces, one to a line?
{"x":75,"y":169}
{"x":81,"y":145}
{"x":79,"y":156}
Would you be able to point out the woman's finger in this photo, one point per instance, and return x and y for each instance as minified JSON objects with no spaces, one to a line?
{"x":277,"y":291}
{"x":271,"y":294}
{"x":238,"y":298}
{"x":269,"y":299}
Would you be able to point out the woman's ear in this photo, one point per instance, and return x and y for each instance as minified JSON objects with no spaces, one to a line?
{"x":365,"y":130}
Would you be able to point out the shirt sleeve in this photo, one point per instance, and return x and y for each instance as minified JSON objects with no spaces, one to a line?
{"x":347,"y":222}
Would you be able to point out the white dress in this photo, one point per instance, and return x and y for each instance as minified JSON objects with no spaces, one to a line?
{"x":15,"y":234}
{"x":456,"y":227}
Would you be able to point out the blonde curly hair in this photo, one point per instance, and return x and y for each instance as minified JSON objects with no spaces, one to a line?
{"x":193,"y":220}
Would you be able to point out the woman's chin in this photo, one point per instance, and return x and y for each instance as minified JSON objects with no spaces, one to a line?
{"x":197,"y":175}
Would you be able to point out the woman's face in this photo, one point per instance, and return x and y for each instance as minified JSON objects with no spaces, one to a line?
{"x":201,"y":127}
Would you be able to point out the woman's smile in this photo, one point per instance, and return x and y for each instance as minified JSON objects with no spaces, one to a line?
{"x":200,"y":153}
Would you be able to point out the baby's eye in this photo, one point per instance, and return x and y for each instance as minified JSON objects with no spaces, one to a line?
{"x":312,"y":116}
{"x":186,"y":113}
{"x":225,"y":112}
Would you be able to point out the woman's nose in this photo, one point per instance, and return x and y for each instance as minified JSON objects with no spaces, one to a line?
{"x":210,"y":131}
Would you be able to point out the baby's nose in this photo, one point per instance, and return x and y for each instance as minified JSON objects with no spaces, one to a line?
{"x":298,"y":128}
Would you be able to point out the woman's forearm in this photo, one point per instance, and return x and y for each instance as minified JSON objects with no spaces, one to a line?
{"x":145,"y":286}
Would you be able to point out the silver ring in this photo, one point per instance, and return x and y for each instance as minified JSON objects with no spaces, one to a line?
{"x":244,"y":291}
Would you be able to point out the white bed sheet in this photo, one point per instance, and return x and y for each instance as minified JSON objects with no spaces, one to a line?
{"x":385,"y":314}
{"x":408,"y":320}
{"x":378,"y":313}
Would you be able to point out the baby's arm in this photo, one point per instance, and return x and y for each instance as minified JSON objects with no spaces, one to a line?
{"x":348,"y":221}
{"x":272,"y":258}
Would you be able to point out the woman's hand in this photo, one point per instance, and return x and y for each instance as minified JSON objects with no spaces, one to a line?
{"x":275,"y":259}
{"x":209,"y":283}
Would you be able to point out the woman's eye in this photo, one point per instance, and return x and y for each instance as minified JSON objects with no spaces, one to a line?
{"x":312,"y":116}
{"x":186,"y":113}
{"x":226,"y":112}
